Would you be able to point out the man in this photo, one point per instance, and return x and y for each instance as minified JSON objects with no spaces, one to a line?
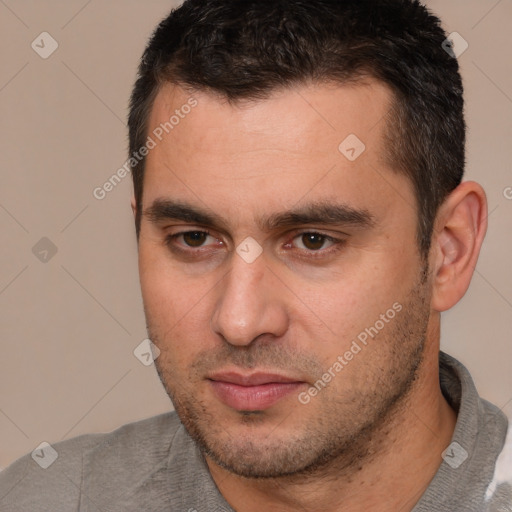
{"x":302,"y":223}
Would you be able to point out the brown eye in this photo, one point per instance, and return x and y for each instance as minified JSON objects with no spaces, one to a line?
{"x":195,"y":238}
{"x":313,"y":241}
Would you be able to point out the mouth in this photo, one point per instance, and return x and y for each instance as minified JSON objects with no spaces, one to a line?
{"x":255,"y":392}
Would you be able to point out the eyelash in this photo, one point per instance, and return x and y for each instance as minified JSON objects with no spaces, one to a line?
{"x":337,"y":243}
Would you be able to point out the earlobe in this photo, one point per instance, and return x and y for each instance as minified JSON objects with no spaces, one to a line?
{"x":461,"y":224}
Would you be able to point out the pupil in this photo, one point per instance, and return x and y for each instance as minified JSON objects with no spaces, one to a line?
{"x":194,"y":238}
{"x":312,"y":240}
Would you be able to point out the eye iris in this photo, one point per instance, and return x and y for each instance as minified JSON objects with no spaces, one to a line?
{"x":194,"y":238}
{"x":312,"y":240}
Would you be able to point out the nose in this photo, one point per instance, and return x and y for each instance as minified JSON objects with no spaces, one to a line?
{"x":250,"y":303}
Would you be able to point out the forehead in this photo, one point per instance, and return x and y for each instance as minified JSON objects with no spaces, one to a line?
{"x":289,"y":119}
{"x":316,"y":140}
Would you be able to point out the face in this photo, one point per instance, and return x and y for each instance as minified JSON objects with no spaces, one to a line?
{"x":280,"y":274}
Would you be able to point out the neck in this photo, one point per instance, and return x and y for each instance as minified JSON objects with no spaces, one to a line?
{"x":401,"y":461}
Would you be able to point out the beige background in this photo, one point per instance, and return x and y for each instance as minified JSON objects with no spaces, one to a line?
{"x":69,"y":326}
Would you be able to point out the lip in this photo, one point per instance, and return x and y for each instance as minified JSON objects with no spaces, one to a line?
{"x":255,"y":392}
{"x":255,"y":379}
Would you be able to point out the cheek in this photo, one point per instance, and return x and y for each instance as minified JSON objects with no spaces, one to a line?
{"x":176,"y":308}
{"x":164,"y":294}
{"x":354,"y":302}
{"x":158,"y":293}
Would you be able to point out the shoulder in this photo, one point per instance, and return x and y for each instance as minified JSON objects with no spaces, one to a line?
{"x":51,"y":478}
{"x":150,"y":437}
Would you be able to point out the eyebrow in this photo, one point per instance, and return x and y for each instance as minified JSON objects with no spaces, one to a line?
{"x":320,"y":212}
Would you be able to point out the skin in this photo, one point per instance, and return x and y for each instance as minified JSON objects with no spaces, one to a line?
{"x":381,"y":423}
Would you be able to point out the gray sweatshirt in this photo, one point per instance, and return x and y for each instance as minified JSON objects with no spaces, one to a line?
{"x":154,"y":466}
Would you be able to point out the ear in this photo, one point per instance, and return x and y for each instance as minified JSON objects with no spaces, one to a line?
{"x":460,"y":228}
{"x":134,"y":206}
